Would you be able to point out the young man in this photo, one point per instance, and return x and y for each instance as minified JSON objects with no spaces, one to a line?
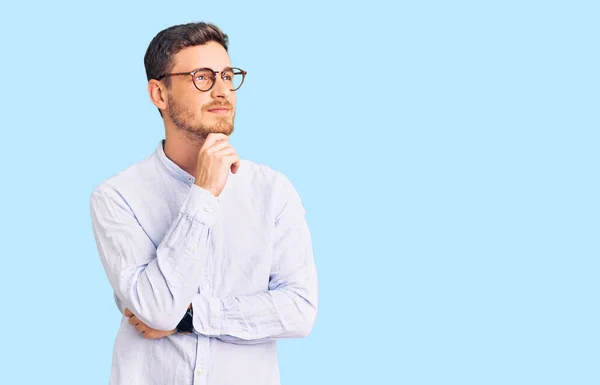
{"x":209,"y":256}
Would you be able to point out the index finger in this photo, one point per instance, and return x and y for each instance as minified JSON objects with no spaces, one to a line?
{"x":214,"y":137}
{"x":127,"y":313}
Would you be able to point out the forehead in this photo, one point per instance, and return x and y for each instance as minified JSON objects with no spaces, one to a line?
{"x":209,"y":55}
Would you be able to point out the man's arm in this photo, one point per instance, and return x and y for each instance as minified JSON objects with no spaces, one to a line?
{"x":288,"y":309}
{"x":157,"y":284}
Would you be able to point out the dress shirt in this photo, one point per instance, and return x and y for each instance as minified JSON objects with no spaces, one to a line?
{"x":244,"y":260}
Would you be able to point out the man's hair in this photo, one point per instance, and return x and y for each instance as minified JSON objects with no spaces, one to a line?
{"x":168,"y":42}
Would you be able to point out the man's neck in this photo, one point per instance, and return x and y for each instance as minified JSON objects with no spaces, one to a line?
{"x":183,"y":151}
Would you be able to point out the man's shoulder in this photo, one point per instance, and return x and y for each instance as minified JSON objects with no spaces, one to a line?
{"x":133,"y":177}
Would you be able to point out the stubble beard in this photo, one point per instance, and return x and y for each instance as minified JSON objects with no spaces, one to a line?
{"x":187,"y":123}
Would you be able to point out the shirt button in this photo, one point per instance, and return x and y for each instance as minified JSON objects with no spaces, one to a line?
{"x":246,"y":334}
{"x":208,"y":208}
{"x":198,"y":372}
{"x":205,"y":287}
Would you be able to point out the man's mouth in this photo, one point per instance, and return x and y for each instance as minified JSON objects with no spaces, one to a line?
{"x":219,"y":110}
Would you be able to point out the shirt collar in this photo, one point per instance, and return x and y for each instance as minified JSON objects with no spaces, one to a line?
{"x":171,"y":167}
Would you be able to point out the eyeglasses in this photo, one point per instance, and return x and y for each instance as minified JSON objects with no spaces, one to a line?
{"x":205,"y":78}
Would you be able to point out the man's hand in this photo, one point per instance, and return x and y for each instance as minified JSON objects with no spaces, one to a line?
{"x":215,"y":159}
{"x":147,"y":332}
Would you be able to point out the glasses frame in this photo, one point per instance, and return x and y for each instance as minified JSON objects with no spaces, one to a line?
{"x":214,"y":79}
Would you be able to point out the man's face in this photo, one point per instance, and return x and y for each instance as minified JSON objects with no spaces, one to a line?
{"x":195,"y":112}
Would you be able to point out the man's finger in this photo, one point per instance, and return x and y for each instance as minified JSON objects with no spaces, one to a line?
{"x":134,"y":320}
{"x":140,"y":327}
{"x":127,"y":313}
{"x":213,"y":137}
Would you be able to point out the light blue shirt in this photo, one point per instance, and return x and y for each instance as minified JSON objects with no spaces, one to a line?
{"x":243,"y":260}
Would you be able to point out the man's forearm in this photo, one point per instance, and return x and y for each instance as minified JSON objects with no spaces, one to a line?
{"x":155,"y":283}
{"x":285,"y":312}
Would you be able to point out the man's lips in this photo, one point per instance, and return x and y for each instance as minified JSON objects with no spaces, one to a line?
{"x":219,"y":110}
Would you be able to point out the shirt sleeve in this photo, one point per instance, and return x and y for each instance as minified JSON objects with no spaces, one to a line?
{"x":157,"y":283}
{"x":289,"y":308}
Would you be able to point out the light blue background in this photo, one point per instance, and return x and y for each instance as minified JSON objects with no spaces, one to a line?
{"x":446,"y":152}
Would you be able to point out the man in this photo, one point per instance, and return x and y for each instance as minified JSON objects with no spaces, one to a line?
{"x":209,"y":256}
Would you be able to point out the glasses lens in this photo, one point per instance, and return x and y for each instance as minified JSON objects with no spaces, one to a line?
{"x":233,"y":77}
{"x":203,"y":79}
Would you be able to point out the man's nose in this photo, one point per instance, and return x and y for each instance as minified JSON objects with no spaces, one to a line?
{"x":220,"y":89}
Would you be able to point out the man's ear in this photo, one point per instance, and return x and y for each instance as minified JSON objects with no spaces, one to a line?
{"x":158,"y":95}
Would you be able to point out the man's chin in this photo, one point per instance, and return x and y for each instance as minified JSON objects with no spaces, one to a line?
{"x":220,"y":125}
{"x":213,"y":130}
{"x":221,"y":128}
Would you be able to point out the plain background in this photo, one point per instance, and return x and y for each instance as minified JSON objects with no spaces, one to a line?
{"x":446,"y":153}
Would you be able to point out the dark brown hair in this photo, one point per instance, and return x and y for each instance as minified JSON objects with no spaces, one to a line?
{"x":168,"y":42}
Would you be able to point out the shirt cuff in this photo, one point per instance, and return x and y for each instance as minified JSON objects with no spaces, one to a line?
{"x":208,"y":316}
{"x":201,"y":205}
